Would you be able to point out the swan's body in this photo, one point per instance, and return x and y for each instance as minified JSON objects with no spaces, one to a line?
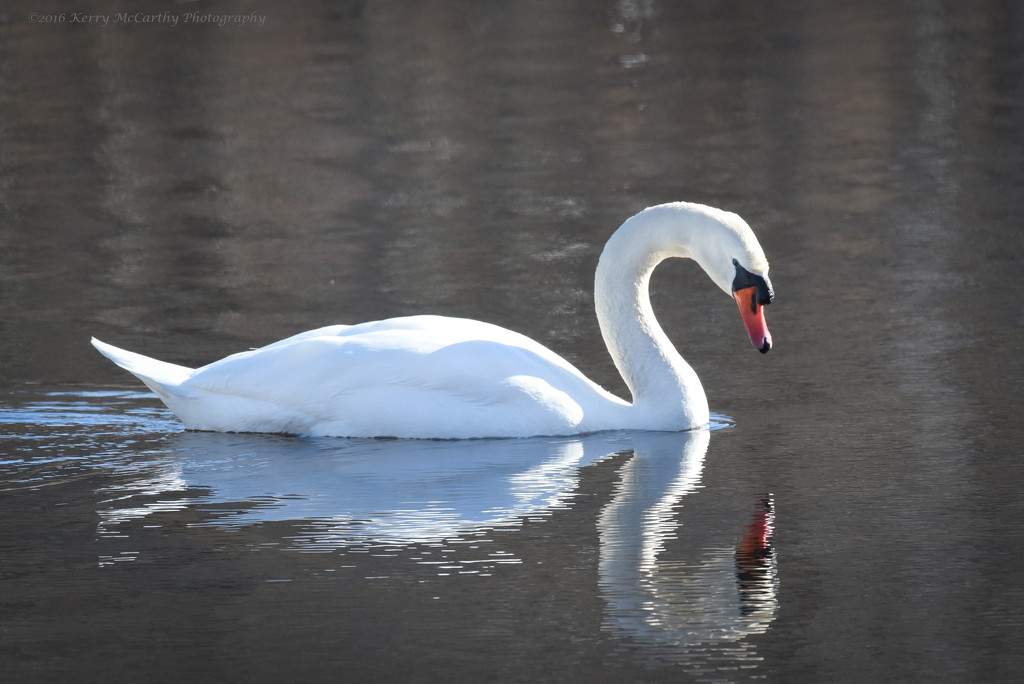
{"x":439,"y":377}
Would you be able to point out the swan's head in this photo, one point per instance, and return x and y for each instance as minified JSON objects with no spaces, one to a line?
{"x":727,"y":250}
{"x":720,"y":241}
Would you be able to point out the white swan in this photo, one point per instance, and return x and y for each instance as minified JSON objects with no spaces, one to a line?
{"x":452,"y":378}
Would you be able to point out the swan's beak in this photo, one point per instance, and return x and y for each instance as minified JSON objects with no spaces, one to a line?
{"x":753,"y":318}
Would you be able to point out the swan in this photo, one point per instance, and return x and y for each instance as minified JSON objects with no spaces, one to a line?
{"x":439,"y":377}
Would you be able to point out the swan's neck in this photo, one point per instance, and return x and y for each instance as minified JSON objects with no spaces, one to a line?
{"x":664,"y":387}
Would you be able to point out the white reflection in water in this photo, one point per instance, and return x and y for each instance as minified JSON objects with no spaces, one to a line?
{"x":383,"y":496}
{"x":422,"y":499}
{"x":704,"y":606}
{"x":354,"y":493}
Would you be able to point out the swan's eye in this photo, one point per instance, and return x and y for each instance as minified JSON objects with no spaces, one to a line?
{"x":745,"y":279}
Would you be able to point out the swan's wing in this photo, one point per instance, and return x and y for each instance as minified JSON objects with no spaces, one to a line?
{"x":417,"y":376}
{"x":424,"y":351}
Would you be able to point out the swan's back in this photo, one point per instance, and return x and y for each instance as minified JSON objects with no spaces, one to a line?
{"x":419,"y":376}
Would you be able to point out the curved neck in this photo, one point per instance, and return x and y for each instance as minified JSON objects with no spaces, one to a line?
{"x":661,"y":382}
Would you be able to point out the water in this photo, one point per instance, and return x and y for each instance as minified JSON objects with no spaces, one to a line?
{"x":190,"y":191}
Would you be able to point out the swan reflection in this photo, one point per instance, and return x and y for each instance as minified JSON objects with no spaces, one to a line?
{"x":351,"y":494}
{"x":364,"y":491}
{"x":709,"y":599}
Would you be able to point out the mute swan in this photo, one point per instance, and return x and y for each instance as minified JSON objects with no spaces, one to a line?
{"x":453,"y":378}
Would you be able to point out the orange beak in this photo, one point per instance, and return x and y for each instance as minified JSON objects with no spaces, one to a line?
{"x":753,"y":318}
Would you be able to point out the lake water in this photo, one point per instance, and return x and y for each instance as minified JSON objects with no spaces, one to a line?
{"x":192,"y":189}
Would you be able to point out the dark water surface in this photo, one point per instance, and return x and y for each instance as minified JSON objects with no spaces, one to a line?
{"x":192,"y":190}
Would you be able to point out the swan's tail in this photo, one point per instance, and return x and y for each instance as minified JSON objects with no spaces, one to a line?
{"x":159,"y":376}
